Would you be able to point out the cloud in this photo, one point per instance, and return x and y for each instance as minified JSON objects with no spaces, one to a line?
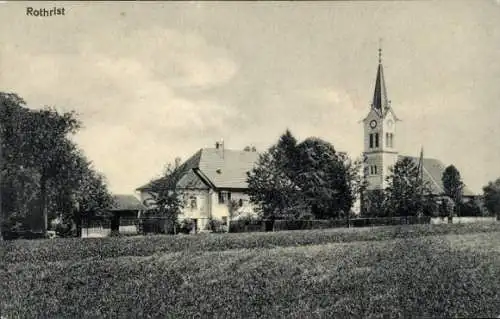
{"x":129,"y":95}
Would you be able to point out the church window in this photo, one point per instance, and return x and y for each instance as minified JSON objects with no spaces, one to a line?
{"x":371,"y":140}
{"x":376,"y":139}
{"x":389,"y":140}
{"x":373,"y":169}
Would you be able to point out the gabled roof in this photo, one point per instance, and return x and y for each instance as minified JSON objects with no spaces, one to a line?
{"x":433,"y":172}
{"x":227,"y":170}
{"x":126,"y":202}
{"x":215,"y":167}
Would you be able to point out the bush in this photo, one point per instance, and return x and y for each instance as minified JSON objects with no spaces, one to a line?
{"x":246,"y":225}
{"x":187,"y":226}
{"x":309,"y":224}
{"x":470,"y":209}
{"x":215,"y":226}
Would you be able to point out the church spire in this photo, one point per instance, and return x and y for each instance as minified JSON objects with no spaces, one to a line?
{"x":380,"y":100}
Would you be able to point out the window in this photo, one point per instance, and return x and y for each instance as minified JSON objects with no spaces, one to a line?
{"x":373,"y":169}
{"x":373,"y":140}
{"x":192,"y":202}
{"x":224,"y":220}
{"x":240,"y":202}
{"x":224,"y":197}
{"x":389,"y":140}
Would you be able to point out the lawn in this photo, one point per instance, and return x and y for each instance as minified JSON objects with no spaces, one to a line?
{"x":412,"y":271}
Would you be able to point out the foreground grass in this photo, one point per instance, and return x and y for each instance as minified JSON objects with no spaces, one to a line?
{"x":77,"y":248}
{"x":432,"y":276}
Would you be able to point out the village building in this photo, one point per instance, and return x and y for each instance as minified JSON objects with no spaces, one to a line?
{"x":209,"y":180}
{"x":123,"y":215}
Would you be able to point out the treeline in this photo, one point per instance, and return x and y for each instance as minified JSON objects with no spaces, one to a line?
{"x":44,"y":175}
{"x":311,"y":180}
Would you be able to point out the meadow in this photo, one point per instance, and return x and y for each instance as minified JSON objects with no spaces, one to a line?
{"x":389,"y":272}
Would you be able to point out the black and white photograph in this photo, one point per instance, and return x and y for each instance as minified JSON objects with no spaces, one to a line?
{"x":250,"y":159}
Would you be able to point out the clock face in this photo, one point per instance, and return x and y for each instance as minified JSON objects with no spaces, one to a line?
{"x":373,"y":124}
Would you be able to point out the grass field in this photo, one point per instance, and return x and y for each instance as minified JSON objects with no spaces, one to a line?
{"x":411,"y":271}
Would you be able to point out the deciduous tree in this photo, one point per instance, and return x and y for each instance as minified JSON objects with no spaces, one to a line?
{"x":168,"y":198}
{"x":453,"y":186}
{"x":40,"y":161}
{"x":297,"y":180}
{"x":407,"y":194}
{"x":491,"y":195}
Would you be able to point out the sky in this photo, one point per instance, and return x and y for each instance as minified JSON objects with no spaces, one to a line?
{"x":152,"y":81}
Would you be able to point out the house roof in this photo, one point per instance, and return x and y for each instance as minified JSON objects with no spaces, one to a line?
{"x":221,"y":168}
{"x":433,"y":172}
{"x":126,"y":202}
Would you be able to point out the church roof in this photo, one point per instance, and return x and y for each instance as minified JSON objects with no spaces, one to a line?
{"x":380,"y":99}
{"x":219,"y":168}
{"x":433,"y":172}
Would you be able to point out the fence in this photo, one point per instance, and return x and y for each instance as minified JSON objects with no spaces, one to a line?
{"x":463,"y":220}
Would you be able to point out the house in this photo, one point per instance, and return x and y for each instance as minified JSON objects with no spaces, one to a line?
{"x":380,"y":144}
{"x":125,"y":211}
{"x":209,"y":180}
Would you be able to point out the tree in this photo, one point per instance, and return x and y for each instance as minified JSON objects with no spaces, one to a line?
{"x":324,"y":178}
{"x":357,"y":183}
{"x":168,"y":198}
{"x":453,"y":186}
{"x":407,"y":193}
{"x":375,"y":204}
{"x":42,"y":169}
{"x":271,"y":183}
{"x":294,"y":180}
{"x":491,"y":195}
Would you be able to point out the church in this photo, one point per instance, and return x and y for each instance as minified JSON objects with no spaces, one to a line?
{"x":380,"y":144}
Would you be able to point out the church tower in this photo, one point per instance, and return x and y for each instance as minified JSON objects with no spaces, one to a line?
{"x":380,"y":139}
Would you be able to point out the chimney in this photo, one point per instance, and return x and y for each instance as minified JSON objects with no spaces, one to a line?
{"x":220,"y":147}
